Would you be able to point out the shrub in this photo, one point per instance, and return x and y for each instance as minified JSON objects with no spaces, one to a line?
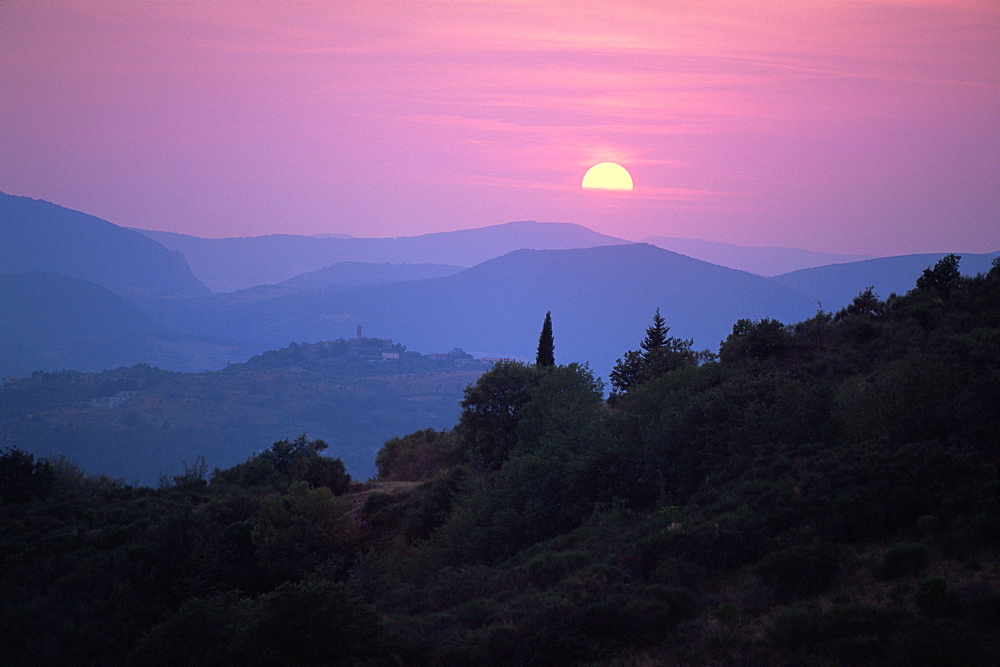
{"x":418,"y":456}
{"x":548,"y":569}
{"x":903,"y":559}
{"x":797,"y":625}
{"x":800,"y":570}
{"x":933,"y":597}
{"x":628,"y":618}
{"x":939,"y":644}
{"x":22,"y":478}
{"x":312,"y":622}
{"x":286,"y":462}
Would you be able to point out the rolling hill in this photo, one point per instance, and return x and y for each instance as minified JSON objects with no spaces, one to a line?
{"x":496,"y":308}
{"x":230,"y":264}
{"x":50,"y":322}
{"x":493,"y":308}
{"x":140,"y":422}
{"x":352,"y":274}
{"x":39,"y":236}
{"x":836,"y":285}
{"x":769,"y":261}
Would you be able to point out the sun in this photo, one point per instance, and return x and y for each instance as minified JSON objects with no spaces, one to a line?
{"x":607,"y":176}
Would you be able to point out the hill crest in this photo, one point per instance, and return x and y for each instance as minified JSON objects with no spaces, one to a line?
{"x":41,"y":236}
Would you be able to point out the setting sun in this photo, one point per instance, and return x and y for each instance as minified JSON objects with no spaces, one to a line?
{"x":607,"y":176}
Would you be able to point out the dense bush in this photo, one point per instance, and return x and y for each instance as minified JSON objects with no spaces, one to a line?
{"x":286,"y":462}
{"x":825,"y":493}
{"x":315,"y":622}
{"x":904,"y":559}
{"x":22,"y":478}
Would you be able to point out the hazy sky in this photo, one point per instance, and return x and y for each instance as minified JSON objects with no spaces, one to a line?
{"x":868,"y":126}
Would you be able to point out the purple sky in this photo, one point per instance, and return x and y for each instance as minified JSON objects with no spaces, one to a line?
{"x":868,"y":126}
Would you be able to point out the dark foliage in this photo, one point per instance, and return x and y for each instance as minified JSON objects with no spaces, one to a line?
{"x":941,"y":276}
{"x":824,"y":493}
{"x":315,"y":622}
{"x":22,"y":478}
{"x":288,"y":461}
{"x":418,"y":456}
{"x":660,"y":354}
{"x":546,"y":344}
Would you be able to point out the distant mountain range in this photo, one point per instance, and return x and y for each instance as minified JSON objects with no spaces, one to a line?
{"x":122,"y":297}
{"x":39,"y":236}
{"x":836,"y":285}
{"x":230,"y":264}
{"x":77,"y":292}
{"x":352,"y":274}
{"x":52,"y":322}
{"x":762,"y":261}
{"x":601,"y":300}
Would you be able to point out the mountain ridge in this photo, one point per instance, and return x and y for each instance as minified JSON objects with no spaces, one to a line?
{"x":835,"y":285}
{"x":620,"y":284}
{"x":765,"y":261}
{"x":352,"y":274}
{"x":492,"y":308}
{"x":42,"y":236}
{"x":230,"y":264}
{"x":49,"y":321}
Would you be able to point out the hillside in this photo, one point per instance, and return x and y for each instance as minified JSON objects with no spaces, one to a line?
{"x":50,"y":322}
{"x":195,"y":330}
{"x":824,"y":493}
{"x":834,"y":286}
{"x":232,"y":264}
{"x":496,"y":308}
{"x":352,"y":274}
{"x":139,"y":422}
{"x":761,"y":261}
{"x":39,"y":236}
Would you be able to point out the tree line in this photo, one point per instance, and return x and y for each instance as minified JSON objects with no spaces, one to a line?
{"x":822,"y":492}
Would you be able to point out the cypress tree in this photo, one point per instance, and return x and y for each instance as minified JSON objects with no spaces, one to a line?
{"x":546,"y":346}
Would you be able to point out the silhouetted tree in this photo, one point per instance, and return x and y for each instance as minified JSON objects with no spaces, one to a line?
{"x":22,"y":478}
{"x":546,"y":345}
{"x":755,"y":339}
{"x":491,"y":410}
{"x":660,"y":354}
{"x":288,"y":461}
{"x":865,"y":303}
{"x":941,"y":276}
{"x":656,"y":334}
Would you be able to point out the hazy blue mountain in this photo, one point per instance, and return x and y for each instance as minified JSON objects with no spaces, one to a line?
{"x":39,"y":236}
{"x":361,"y":273}
{"x":601,"y":299}
{"x":51,"y":322}
{"x":67,"y":322}
{"x":762,"y":261}
{"x":231,"y":264}
{"x":836,"y":286}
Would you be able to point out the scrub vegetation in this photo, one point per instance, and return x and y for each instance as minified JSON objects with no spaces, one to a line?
{"x":821,"y":493}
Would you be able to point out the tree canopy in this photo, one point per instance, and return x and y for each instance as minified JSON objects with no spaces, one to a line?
{"x":941,"y":276}
{"x":659,"y":354}
{"x":824,"y":493}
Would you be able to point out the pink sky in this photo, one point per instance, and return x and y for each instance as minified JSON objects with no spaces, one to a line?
{"x":868,"y":126}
